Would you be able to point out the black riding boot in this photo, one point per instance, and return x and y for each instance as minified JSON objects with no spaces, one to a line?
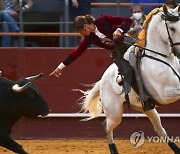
{"x":127,"y":72}
{"x":124,"y":68}
{"x":147,"y":102}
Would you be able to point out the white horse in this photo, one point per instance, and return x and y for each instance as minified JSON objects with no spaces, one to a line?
{"x":159,"y":72}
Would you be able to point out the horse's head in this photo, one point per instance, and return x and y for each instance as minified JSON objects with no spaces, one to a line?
{"x":170,"y":29}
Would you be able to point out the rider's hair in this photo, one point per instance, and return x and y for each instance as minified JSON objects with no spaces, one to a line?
{"x":79,"y":21}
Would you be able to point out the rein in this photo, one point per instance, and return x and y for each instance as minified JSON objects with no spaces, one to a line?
{"x":143,"y":48}
{"x":157,"y":59}
{"x":154,"y":58}
{"x":153,"y":51}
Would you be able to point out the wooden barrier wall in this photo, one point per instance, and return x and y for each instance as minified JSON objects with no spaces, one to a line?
{"x":22,"y":62}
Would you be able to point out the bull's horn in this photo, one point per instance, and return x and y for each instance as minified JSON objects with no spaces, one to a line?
{"x":32,"y":78}
{"x":18,"y":89}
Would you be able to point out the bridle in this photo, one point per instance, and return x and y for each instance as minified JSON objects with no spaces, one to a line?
{"x":172,"y":44}
{"x":169,"y":17}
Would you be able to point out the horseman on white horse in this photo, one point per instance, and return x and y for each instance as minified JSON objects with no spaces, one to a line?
{"x":106,"y":32}
{"x":159,"y":70}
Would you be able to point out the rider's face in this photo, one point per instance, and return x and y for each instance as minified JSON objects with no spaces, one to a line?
{"x":87,"y":29}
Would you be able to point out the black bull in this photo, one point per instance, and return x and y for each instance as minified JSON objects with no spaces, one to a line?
{"x":18,"y":99}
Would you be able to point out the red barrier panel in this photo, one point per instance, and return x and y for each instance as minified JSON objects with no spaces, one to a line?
{"x":87,"y":69}
{"x":15,"y":63}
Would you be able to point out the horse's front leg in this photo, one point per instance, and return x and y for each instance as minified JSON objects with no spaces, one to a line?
{"x":156,"y":121}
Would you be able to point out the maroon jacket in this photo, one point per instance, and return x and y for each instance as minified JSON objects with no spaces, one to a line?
{"x":105,"y":24}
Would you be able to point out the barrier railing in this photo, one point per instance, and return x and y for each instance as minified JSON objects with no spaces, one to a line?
{"x":67,"y":34}
{"x":123,"y":4}
{"x":39,"y":34}
{"x":125,"y":115}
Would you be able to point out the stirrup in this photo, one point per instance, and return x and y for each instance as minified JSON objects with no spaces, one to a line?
{"x":120,"y":83}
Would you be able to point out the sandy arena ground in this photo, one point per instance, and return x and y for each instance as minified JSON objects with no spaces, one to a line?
{"x":87,"y":147}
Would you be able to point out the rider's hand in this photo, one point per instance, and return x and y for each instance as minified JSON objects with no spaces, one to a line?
{"x":56,"y":72}
{"x":117,"y":34}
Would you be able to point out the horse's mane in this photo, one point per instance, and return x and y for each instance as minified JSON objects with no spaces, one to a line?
{"x":142,"y":34}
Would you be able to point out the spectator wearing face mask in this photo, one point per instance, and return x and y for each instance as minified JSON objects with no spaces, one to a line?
{"x":138,"y":18}
{"x":147,"y":9}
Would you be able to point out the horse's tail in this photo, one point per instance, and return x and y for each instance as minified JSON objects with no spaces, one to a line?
{"x":91,"y":102}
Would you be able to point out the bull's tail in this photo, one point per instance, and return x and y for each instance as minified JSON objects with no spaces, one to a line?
{"x":91,"y":102}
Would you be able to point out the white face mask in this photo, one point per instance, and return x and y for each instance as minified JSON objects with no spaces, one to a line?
{"x":137,"y":15}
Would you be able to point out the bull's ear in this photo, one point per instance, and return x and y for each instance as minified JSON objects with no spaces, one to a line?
{"x":35,"y":77}
{"x":18,"y":89}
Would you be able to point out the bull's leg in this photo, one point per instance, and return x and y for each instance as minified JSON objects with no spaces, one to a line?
{"x":7,"y":142}
{"x":156,"y":121}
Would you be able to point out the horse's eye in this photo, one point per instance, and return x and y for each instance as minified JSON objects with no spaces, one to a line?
{"x":173,"y":29}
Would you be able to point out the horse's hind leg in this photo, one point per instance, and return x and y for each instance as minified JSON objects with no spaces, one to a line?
{"x":156,"y":121}
{"x":113,"y":119}
{"x":108,"y":128}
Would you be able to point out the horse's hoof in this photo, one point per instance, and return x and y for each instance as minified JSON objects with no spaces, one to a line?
{"x":174,"y":147}
{"x":113,"y":149}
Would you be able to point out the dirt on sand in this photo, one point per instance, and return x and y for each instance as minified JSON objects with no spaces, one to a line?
{"x":63,"y":146}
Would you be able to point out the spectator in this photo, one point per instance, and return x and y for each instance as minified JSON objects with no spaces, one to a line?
{"x":147,"y":9}
{"x":77,"y":8}
{"x":138,"y":18}
{"x":9,"y":16}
